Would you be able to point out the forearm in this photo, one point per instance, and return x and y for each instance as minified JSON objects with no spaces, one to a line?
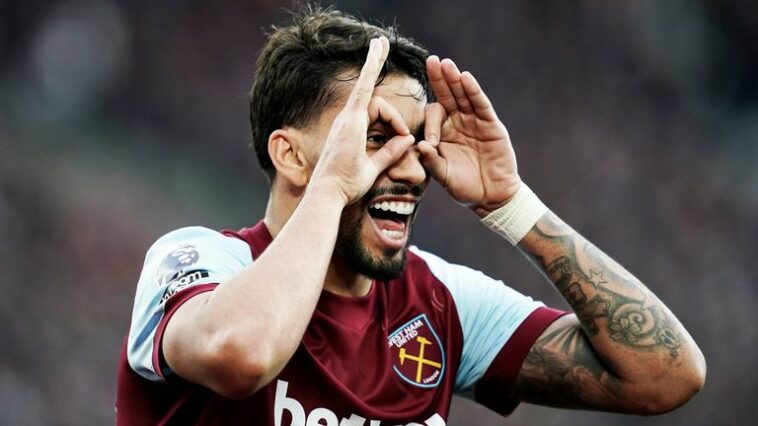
{"x":635,"y":336}
{"x":628,"y":340}
{"x":250,"y":326}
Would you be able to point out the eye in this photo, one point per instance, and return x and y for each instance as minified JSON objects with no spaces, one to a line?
{"x":376,"y":139}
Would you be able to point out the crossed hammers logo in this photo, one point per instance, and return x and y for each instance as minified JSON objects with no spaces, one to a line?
{"x":419,"y":358}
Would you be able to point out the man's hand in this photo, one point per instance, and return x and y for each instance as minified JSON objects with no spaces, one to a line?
{"x":344,"y":163}
{"x":467,"y":148}
{"x":238,"y":338}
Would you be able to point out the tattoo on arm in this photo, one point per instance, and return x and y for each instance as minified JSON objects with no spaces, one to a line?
{"x":563,"y":370}
{"x":604,"y":296}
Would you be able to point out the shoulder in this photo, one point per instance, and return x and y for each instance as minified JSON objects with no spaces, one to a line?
{"x":464,"y":283}
{"x":481,"y":302}
{"x":185,"y":247}
{"x":449,"y":274}
{"x":178,"y":265}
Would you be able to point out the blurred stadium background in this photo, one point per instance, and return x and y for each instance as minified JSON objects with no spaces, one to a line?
{"x":121,"y":120}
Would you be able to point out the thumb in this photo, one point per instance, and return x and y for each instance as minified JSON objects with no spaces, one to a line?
{"x":392,"y":151}
{"x":434,"y":162}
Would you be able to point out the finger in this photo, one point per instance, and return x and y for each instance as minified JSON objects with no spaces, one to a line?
{"x":435,"y":117}
{"x":453,"y":78}
{"x":379,"y":109}
{"x":392,"y":151}
{"x":439,"y":85}
{"x":479,"y":100}
{"x":433,"y":162}
{"x":364,"y":86}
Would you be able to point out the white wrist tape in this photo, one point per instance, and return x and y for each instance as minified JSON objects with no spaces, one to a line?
{"x":518,"y":216}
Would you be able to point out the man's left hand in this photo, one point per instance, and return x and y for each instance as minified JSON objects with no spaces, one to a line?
{"x":467,"y":148}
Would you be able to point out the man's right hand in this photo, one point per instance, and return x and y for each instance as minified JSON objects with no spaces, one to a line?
{"x":238,"y":338}
{"x":344,"y":164}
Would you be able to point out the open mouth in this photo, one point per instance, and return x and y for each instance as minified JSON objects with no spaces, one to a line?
{"x":391,"y":220}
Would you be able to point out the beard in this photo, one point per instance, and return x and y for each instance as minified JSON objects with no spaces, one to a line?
{"x":351,"y":249}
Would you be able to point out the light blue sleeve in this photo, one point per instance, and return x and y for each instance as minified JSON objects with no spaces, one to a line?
{"x":489,"y":313}
{"x":177,"y":261}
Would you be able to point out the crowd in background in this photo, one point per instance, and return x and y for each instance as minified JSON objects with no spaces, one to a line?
{"x":637,"y":122}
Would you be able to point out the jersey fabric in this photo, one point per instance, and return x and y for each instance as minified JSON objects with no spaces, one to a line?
{"x":393,"y":357}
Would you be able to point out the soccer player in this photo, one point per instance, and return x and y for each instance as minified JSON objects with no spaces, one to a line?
{"x":320,"y":314}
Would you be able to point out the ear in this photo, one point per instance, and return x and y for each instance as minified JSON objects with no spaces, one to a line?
{"x":286,"y":151}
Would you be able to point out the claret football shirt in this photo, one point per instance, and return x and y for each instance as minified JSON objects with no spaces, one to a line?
{"x":393,"y":357}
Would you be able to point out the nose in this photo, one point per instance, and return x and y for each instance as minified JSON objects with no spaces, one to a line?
{"x":408,"y":169}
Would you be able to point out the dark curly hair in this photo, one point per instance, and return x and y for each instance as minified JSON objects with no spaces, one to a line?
{"x":297,"y":69}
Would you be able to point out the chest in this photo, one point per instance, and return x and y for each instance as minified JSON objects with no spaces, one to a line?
{"x":397,"y":362}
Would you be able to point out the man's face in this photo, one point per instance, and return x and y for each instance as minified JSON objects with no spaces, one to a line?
{"x":374,"y":231}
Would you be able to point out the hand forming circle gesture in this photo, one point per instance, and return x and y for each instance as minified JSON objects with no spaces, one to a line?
{"x":344,"y":161}
{"x":466,"y":147}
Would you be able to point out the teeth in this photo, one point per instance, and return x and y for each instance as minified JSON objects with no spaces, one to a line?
{"x":399,"y":207}
{"x":395,"y":235}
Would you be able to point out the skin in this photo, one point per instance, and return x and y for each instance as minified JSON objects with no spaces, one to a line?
{"x":621,"y":350}
{"x":395,"y":110}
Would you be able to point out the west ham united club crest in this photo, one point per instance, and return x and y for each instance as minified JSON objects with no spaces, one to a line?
{"x":417,"y":355}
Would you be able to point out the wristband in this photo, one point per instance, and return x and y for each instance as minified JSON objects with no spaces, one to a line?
{"x":517,"y":216}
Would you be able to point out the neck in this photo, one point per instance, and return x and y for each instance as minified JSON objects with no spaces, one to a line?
{"x":340,"y":279}
{"x":282,"y":202}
